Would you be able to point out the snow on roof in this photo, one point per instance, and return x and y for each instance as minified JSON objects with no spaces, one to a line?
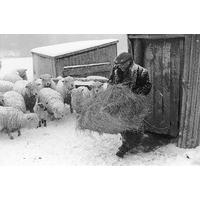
{"x":71,"y":47}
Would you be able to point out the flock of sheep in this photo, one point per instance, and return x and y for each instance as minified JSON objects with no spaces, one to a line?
{"x":31,"y":104}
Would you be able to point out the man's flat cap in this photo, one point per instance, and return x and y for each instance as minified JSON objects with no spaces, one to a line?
{"x":123,"y":57}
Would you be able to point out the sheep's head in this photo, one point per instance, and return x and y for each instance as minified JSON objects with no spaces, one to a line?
{"x":97,"y":87}
{"x":32,"y":89}
{"x":42,"y":106}
{"x":22,"y":73}
{"x":58,"y":111}
{"x":68,"y":83}
{"x":38,"y":83}
{"x":31,"y":120}
{"x":80,"y":93}
{"x":46,"y":80}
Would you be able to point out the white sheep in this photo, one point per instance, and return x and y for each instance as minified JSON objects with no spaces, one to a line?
{"x":29,"y":90}
{"x":11,"y":119}
{"x":53,"y":101}
{"x":41,"y":110}
{"x":15,"y":100}
{"x":20,"y":87}
{"x":6,"y":86}
{"x":79,"y":95}
{"x":47,"y":81}
{"x":38,"y":83}
{"x":96,"y":88}
{"x":65,"y":87}
{"x":15,"y":75}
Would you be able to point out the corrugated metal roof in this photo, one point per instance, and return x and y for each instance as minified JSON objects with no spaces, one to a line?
{"x":71,"y":47}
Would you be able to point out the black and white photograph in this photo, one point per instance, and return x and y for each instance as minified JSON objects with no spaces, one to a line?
{"x":99,"y":99}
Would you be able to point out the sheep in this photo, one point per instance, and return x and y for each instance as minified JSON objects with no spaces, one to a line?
{"x":65,"y":87}
{"x":96,"y":87}
{"x":47,"y":81}
{"x":15,"y":75}
{"x":15,"y":100}
{"x":79,"y":95}
{"x":53,"y":101}
{"x":22,"y":73}
{"x":41,"y":110}
{"x":11,"y":119}
{"x":59,"y":78}
{"x":20,"y":86}
{"x":29,"y":90}
{"x":104,"y":86}
{"x":6,"y":86}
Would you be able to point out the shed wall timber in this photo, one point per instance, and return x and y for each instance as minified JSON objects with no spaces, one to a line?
{"x":98,"y":69}
{"x":163,"y":56}
{"x":190,"y":112}
{"x":43,"y":65}
{"x":98,"y":55}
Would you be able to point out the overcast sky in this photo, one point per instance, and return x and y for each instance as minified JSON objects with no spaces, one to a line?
{"x":19,"y":45}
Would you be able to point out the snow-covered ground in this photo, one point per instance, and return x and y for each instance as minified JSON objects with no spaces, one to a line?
{"x":61,"y":144}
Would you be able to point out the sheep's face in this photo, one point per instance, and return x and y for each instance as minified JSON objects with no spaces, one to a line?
{"x":97,"y":87}
{"x":31,"y":121}
{"x":42,"y":106}
{"x":58,"y":113}
{"x":68,"y":83}
{"x":38,"y":84}
{"x":32,"y":89}
{"x":46,"y":80}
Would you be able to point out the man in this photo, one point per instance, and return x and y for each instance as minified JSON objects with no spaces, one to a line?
{"x":127,"y":72}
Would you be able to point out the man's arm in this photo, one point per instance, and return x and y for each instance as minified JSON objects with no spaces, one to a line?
{"x":145,"y":88}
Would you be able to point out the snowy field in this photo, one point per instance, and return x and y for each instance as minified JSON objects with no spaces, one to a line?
{"x":61,"y":144}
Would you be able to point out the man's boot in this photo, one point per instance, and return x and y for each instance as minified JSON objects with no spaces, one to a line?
{"x":130,"y":139}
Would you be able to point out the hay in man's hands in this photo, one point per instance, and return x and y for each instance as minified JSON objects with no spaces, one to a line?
{"x":114,"y":110}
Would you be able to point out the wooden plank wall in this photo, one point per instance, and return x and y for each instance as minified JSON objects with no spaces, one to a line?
{"x":190,"y":113}
{"x":163,"y":60}
{"x":99,"y":69}
{"x":100,"y":55}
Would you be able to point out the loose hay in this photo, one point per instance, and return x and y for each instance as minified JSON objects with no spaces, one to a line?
{"x":114,"y":110}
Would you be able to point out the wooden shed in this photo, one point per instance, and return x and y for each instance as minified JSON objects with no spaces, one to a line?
{"x":174,"y":65}
{"x":80,"y":58}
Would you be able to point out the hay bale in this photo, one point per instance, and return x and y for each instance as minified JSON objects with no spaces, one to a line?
{"x":114,"y":110}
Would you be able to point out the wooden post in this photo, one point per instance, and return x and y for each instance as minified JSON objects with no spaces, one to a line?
{"x":189,"y":133}
{"x":138,"y":51}
{"x":130,"y":50}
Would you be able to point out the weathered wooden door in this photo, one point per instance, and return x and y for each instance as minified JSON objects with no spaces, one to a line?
{"x":164,"y":58}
